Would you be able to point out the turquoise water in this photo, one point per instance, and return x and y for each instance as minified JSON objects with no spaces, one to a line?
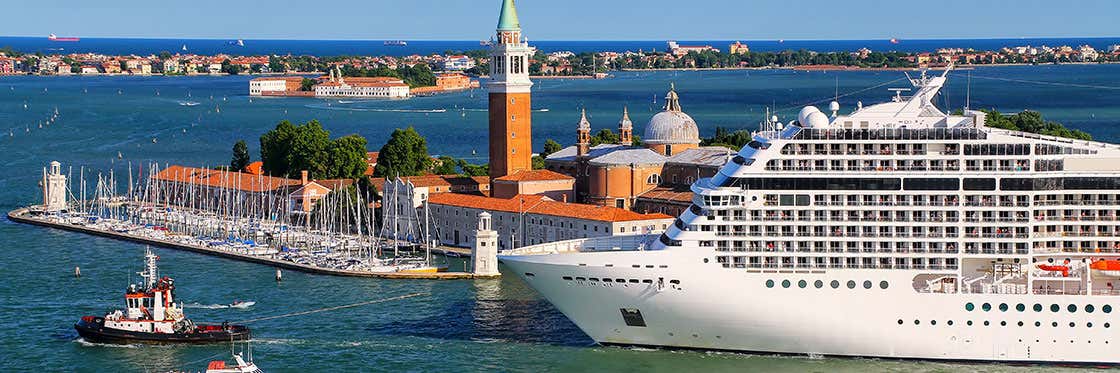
{"x":464,"y":325}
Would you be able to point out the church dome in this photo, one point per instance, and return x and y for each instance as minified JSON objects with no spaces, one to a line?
{"x":671,"y":126}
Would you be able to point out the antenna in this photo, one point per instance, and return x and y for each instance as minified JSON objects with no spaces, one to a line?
{"x":968,"y":92}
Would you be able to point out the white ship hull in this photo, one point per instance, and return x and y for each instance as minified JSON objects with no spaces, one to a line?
{"x":729,"y":309}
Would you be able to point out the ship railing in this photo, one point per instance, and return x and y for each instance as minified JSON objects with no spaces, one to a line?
{"x":595,"y":244}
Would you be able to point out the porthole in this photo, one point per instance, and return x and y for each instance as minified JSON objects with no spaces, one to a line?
{"x":1106,"y":308}
{"x":916,"y":322}
{"x":785,"y":283}
{"x":899,"y":321}
{"x":969,"y":323}
{"x":835,"y":284}
{"x":1089,"y":308}
{"x":933,"y":322}
{"x":1003,"y":323}
{"x":950,"y":322}
{"x":1089,"y":325}
{"x":1106,"y":325}
{"x":986,"y":307}
{"x":1003,"y":307}
{"x":851,"y":284}
{"x":769,"y":283}
{"x":866,"y":284}
{"x":1054,"y":308}
{"x":1054,"y":324}
{"x":1020,"y":323}
{"x":1020,"y":307}
{"x":1072,"y":308}
{"x":1037,"y":324}
{"x":986,"y":323}
{"x":969,"y":306}
{"x":802,"y":284}
{"x":819,"y":284}
{"x":705,"y":260}
{"x":884,"y":285}
{"x":1037,"y":307}
{"x":1071,"y":324}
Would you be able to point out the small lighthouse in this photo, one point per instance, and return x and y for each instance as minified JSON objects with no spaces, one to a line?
{"x":484,"y":253}
{"x":54,"y":188}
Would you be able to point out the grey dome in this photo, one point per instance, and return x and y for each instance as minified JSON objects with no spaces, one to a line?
{"x":671,"y":126}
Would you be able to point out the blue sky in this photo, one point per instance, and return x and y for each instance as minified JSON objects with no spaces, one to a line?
{"x":565,"y":19}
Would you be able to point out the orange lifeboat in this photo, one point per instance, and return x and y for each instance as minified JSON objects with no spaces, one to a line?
{"x":1110,"y":268}
{"x":1053,"y":268}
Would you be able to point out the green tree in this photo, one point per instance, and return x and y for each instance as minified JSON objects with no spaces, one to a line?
{"x":604,"y":136}
{"x":405,"y":154}
{"x":347,"y":158}
{"x":240,"y":156}
{"x":307,"y":85}
{"x":164,"y":55}
{"x":446,"y":165}
{"x":309,"y":150}
{"x":538,"y":162}
{"x":275,"y":145}
{"x":474,"y":169}
{"x":550,"y":146}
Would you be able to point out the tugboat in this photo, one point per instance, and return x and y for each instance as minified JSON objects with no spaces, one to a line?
{"x":151,"y":316}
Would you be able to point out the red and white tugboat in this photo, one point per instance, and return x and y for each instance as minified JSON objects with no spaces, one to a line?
{"x":151,"y":315}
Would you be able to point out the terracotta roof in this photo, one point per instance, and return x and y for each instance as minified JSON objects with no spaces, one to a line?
{"x":682,"y":195}
{"x":224,"y":179}
{"x":536,"y":204}
{"x":255,"y":168}
{"x":535,"y":175}
{"x":437,"y":180}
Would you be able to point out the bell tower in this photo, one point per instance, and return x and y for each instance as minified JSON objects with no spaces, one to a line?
{"x":625,"y":128}
{"x":511,"y":140}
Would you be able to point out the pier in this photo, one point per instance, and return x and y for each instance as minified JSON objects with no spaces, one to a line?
{"x":24,"y":215}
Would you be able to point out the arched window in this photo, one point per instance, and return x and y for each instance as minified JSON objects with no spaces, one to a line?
{"x":653,"y":179}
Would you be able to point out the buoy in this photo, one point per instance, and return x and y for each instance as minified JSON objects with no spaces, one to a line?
{"x":77,"y":271}
{"x":279,"y":276}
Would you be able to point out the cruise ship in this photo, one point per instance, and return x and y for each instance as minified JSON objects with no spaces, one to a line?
{"x":895,"y":231}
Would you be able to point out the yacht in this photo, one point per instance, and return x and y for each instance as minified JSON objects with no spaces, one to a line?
{"x":895,"y":231}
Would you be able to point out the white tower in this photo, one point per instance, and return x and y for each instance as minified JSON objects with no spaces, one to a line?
{"x":484,"y":253}
{"x":54,"y":188}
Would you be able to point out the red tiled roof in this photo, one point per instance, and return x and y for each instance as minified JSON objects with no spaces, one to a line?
{"x":255,"y":168}
{"x":224,"y":179}
{"x":535,"y":175}
{"x":541,"y":205}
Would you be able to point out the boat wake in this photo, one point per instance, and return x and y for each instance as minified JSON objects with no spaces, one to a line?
{"x":378,"y":110}
{"x":188,"y":103}
{"x":84,"y":342}
{"x":241,"y":305}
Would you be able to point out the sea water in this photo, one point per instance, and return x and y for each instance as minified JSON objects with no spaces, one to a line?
{"x":484,"y":325}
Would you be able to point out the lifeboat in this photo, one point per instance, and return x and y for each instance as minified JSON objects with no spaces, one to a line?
{"x":1107,"y":268}
{"x":1054,"y":268}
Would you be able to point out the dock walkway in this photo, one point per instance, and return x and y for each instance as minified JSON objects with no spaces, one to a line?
{"x":21,"y":216}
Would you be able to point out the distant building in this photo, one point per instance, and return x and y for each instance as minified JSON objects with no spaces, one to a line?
{"x":90,"y":70}
{"x":7,"y":65}
{"x":259,"y":86}
{"x":738,"y":48}
{"x":459,"y":62}
{"x":361,"y":87}
{"x":681,"y":50}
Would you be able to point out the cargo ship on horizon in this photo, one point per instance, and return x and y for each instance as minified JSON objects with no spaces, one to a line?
{"x":53,"y":37}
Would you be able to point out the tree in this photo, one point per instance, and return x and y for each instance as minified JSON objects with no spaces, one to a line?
{"x":550,"y":146}
{"x":347,"y":158}
{"x":275,"y":145}
{"x":405,"y":154}
{"x":164,"y":55}
{"x":604,"y":136}
{"x":474,"y":169}
{"x":240,"y":156}
{"x":538,"y":162}
{"x":446,"y":165}
{"x":307,"y":85}
{"x":308,"y":150}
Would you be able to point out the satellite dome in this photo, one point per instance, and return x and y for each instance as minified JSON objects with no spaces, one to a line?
{"x":834,"y":106}
{"x":815,"y":120}
{"x":803,"y":115}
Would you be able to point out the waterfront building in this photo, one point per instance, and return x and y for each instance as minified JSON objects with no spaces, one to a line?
{"x":458,"y":63}
{"x":681,"y":50}
{"x":90,"y":70}
{"x":738,"y":48}
{"x":896,"y":231}
{"x":422,"y":186}
{"x":361,"y":87}
{"x":511,"y":139}
{"x":531,"y":219}
{"x":274,"y":85}
{"x":7,"y":65}
{"x":235,"y":193}
{"x":547,"y":183}
{"x":54,"y":188}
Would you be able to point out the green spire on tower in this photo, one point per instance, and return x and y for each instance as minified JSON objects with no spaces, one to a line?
{"x":508,"y":20}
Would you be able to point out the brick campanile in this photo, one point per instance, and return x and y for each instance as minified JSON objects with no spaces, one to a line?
{"x":511,"y":139}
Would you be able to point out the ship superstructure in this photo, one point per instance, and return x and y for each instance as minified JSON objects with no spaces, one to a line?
{"x":898,"y":230}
